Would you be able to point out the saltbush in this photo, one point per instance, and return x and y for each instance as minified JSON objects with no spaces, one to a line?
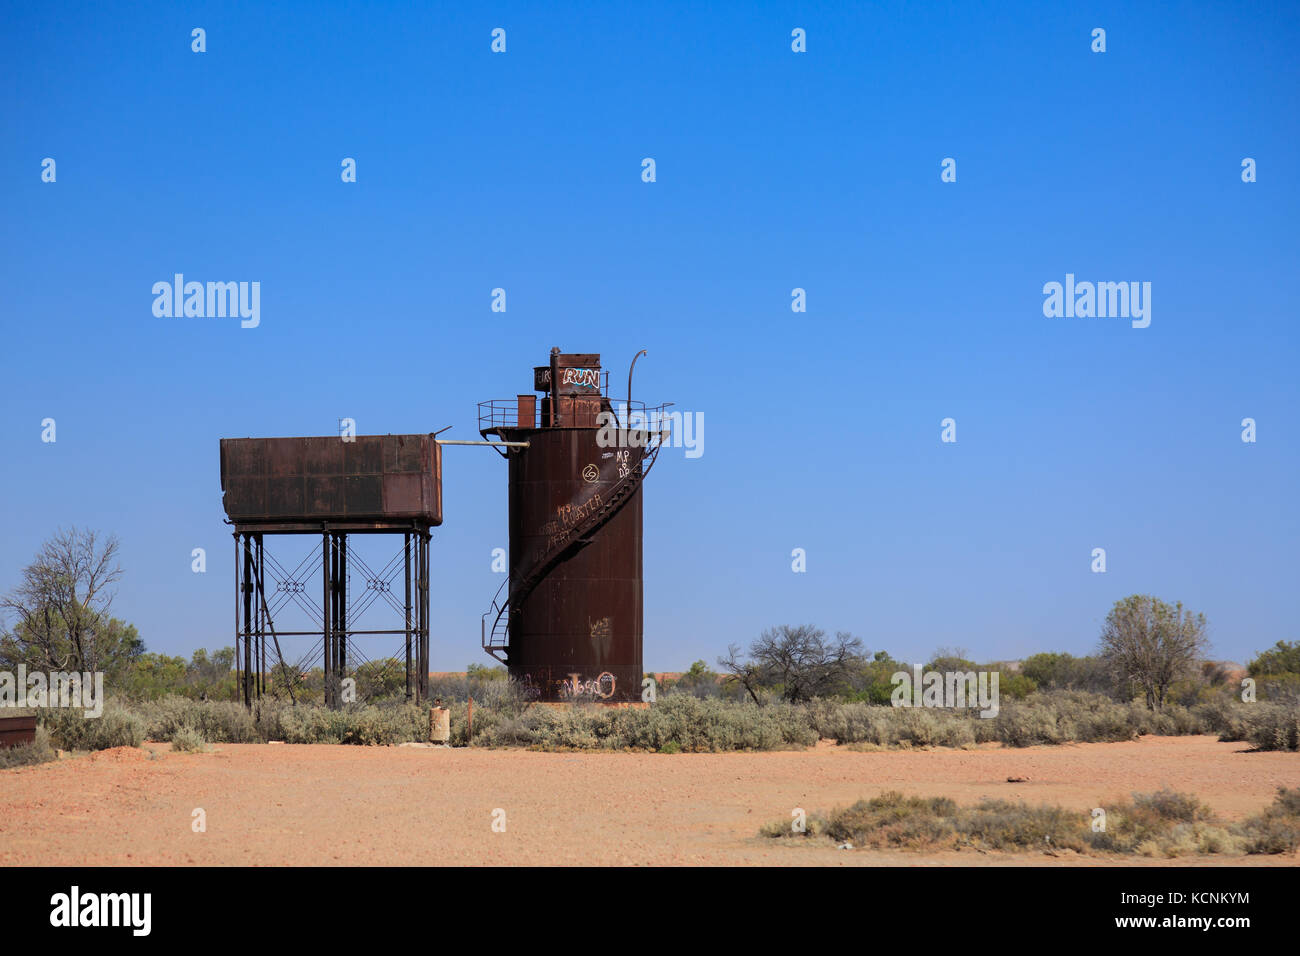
{"x":117,"y":726}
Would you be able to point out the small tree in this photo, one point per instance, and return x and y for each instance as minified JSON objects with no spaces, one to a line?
{"x":62,"y":609}
{"x":745,"y":673}
{"x":485,"y":672}
{"x":1281,"y":658}
{"x":1051,"y":671}
{"x":1151,"y":644}
{"x":950,"y":659}
{"x":800,"y":661}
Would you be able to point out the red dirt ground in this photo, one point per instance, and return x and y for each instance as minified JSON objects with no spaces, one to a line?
{"x":320,"y":804}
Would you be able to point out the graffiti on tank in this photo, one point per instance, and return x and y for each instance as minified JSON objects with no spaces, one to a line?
{"x":581,"y":378}
{"x":575,"y":688}
{"x":571,"y":514}
{"x":527,"y":688}
{"x":569,"y":518}
{"x":602,"y":635}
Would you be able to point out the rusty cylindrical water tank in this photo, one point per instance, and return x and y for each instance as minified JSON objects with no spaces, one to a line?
{"x":575,"y":613}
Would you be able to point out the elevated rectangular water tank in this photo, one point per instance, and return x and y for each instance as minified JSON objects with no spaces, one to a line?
{"x":380,"y":480}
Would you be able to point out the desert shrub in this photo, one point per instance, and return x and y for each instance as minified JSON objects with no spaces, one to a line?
{"x":892,"y":819}
{"x":24,"y":755}
{"x":1277,"y":829}
{"x":365,"y":724}
{"x":117,"y":726}
{"x":217,"y":721}
{"x":814,"y":825}
{"x":188,"y":740}
{"x":1002,"y":825}
{"x":1170,"y":805}
{"x":1171,"y":721}
{"x":1026,"y":723}
{"x":845,"y":723}
{"x":857,"y":722}
{"x":1215,"y":714}
{"x":1267,"y":724}
{"x":1273,"y":836}
{"x":679,"y":722}
{"x":1055,"y":717}
{"x":895,"y":820}
{"x":923,"y":727}
{"x":1274,"y":725}
{"x":1278,"y":687}
{"x":1165,"y":823}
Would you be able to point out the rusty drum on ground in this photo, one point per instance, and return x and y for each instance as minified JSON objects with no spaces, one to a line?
{"x":439,"y":725}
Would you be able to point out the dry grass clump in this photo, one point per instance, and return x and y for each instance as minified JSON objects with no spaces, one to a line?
{"x":188,"y":740}
{"x":1165,"y":824}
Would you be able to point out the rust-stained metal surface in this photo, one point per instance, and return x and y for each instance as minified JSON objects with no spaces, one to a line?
{"x":373,"y":481}
{"x":577,"y":634}
{"x":575,"y":602}
{"x":15,"y":731}
{"x":578,"y":374}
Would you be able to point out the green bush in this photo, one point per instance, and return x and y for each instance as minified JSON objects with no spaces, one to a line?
{"x":188,"y":740}
{"x":1275,"y":687}
{"x":1274,"y":725}
{"x":1268,"y":724}
{"x":70,"y":729}
{"x":1281,"y":658}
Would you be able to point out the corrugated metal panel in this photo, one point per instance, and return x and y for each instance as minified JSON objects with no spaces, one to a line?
{"x":17,"y":730}
{"x":374,"y":478}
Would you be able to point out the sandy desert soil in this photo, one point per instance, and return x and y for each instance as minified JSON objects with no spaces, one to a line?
{"x":285,"y":804}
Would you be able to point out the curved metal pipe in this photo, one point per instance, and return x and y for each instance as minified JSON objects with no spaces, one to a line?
{"x":629,"y":382}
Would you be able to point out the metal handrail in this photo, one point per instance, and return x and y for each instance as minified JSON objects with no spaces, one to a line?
{"x":500,"y":413}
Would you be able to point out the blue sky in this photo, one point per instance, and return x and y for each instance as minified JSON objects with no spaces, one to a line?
{"x":775,"y":170}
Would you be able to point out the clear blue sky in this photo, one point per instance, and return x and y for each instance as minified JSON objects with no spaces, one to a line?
{"x":775,"y":170}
